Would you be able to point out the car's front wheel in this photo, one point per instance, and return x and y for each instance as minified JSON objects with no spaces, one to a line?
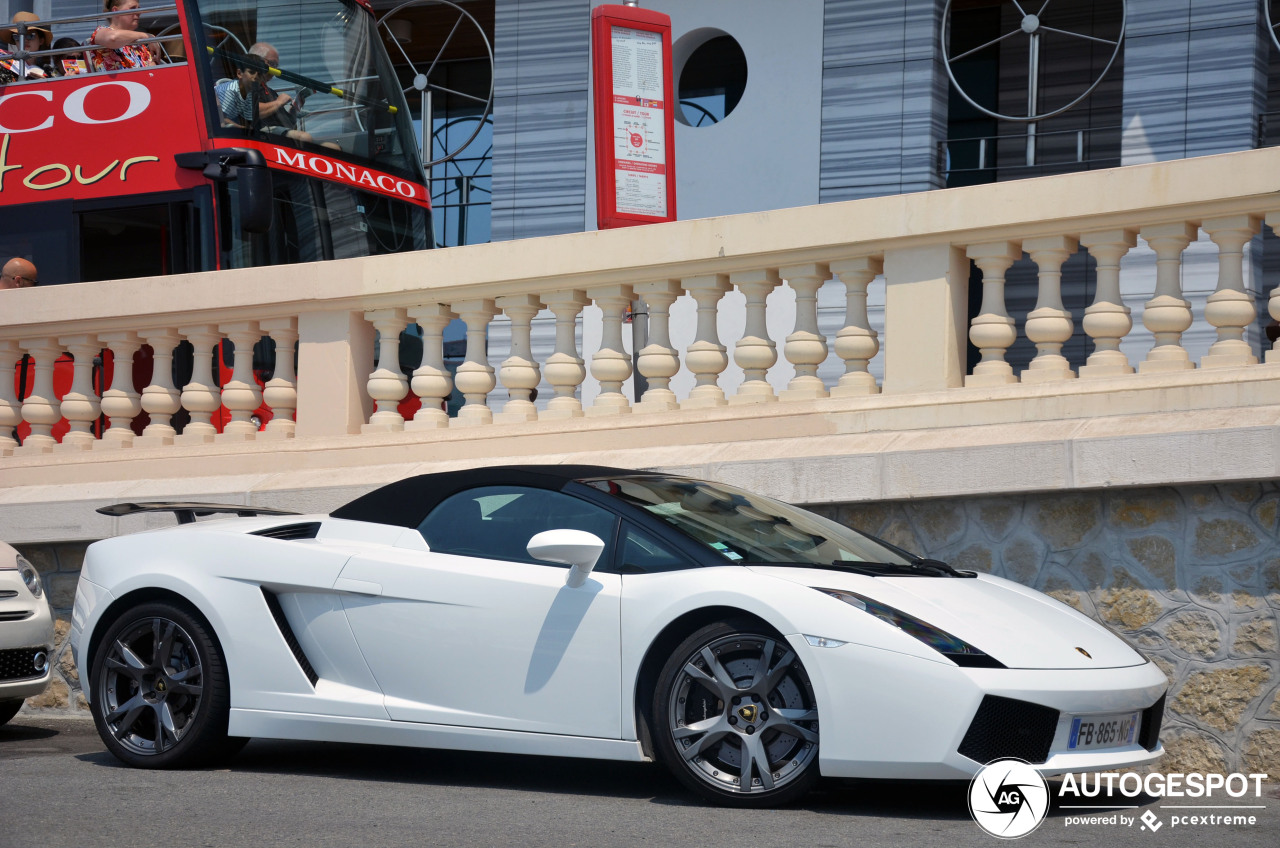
{"x":160,"y":692}
{"x":736,"y":716}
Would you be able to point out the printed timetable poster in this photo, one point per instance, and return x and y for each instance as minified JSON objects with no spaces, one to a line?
{"x":635,"y":168}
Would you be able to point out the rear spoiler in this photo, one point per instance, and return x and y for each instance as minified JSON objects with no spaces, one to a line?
{"x":186,"y":512}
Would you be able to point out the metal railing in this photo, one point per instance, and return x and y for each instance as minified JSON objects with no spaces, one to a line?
{"x":1056,"y":148}
{"x":23,"y":28}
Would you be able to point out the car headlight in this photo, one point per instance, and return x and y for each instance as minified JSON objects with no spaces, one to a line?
{"x":30,"y":576}
{"x":953,"y":648}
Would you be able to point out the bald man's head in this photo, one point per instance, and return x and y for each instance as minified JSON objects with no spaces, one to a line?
{"x":18,"y":273}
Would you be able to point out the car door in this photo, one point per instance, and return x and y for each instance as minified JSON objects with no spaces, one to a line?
{"x":476,"y":633}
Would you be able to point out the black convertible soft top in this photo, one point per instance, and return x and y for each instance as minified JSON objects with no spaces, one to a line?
{"x":406,"y":502}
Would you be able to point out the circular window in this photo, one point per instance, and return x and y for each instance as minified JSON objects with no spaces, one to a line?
{"x":711,"y":78}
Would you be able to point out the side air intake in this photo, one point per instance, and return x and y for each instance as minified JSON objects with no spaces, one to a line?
{"x":290,"y":638}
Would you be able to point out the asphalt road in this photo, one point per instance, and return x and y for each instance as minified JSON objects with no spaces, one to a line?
{"x":59,"y":787}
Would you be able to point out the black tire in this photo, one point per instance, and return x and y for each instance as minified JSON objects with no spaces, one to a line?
{"x":161,"y":698}
{"x":9,"y":709}
{"x":735,"y":718}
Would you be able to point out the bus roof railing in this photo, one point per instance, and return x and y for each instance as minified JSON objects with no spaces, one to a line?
{"x":23,"y":26}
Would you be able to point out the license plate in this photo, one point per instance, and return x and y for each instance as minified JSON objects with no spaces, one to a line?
{"x":1107,"y":731}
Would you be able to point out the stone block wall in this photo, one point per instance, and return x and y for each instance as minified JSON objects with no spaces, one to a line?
{"x":1190,"y":574}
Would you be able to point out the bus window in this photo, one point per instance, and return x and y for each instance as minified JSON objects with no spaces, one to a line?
{"x":342,"y":90}
{"x":148,"y":240}
{"x":316,"y":220}
{"x":43,"y":233}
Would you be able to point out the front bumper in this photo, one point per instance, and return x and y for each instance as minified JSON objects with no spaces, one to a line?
{"x":26,"y":640}
{"x":889,"y":715}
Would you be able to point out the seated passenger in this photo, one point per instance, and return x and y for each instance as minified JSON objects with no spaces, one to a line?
{"x":68,"y":64}
{"x":237,"y":97}
{"x":37,"y":38}
{"x":119,"y":37}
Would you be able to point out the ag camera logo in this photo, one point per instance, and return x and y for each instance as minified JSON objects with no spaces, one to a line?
{"x":1008,"y":798}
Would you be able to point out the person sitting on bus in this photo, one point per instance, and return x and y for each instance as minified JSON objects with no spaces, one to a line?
{"x":37,"y":38}
{"x":237,"y":98}
{"x":68,"y":64}
{"x":119,"y":39}
{"x":273,"y":109}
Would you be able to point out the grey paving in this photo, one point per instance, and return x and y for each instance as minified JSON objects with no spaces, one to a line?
{"x":58,"y":787}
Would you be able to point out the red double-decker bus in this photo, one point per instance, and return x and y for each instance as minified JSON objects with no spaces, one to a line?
{"x":139,"y":172}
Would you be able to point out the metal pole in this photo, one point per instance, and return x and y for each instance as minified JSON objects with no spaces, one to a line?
{"x":982,"y":154}
{"x":428,"y":123}
{"x":639,"y":339}
{"x":1033,"y":94}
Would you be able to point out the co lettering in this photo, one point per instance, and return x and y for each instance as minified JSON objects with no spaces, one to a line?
{"x":73,"y":107}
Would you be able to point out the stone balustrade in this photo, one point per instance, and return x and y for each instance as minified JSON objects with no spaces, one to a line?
{"x":920,"y":245}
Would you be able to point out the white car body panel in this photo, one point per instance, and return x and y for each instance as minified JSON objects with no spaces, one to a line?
{"x":414,"y":647}
{"x":482,"y":643}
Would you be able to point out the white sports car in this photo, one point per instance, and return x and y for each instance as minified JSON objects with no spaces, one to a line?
{"x":26,"y":633}
{"x":582,"y":611}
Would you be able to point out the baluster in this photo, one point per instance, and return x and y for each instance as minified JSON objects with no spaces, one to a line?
{"x":1167,"y":315}
{"x":805,"y":348}
{"x":201,"y":397}
{"x":160,"y":396}
{"x":755,"y":353}
{"x":41,"y":409}
{"x":281,"y":391}
{"x":519,"y":373}
{"x":10,"y":409}
{"x":611,"y":365}
{"x":80,"y":404}
{"x":1273,"y":301}
{"x":1230,"y":308}
{"x":387,"y":384}
{"x":856,"y":343}
{"x":992,"y":331}
{"x":565,"y":368}
{"x":658,"y":360}
{"x":1107,"y":319}
{"x":706,"y":358}
{"x":241,"y":395}
{"x":120,"y":403}
{"x":475,"y":375}
{"x":1049,"y":325}
{"x":431,"y":380}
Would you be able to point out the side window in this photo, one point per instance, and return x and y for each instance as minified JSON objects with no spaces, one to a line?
{"x":642,"y":554}
{"x":497,"y":522}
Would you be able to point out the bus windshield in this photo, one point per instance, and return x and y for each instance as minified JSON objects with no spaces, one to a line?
{"x":327,"y":85}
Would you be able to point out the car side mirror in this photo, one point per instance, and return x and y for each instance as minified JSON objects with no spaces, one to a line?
{"x":574,"y":548}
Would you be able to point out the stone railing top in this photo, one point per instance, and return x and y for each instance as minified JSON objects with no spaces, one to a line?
{"x":1130,"y":197}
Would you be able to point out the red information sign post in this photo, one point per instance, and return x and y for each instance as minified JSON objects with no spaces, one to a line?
{"x":635,"y":121}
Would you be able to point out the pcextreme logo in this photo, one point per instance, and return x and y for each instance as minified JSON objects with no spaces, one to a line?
{"x":1008,"y":799}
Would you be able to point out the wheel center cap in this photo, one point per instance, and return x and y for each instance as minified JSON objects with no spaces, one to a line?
{"x":748,"y":713}
{"x":160,"y":685}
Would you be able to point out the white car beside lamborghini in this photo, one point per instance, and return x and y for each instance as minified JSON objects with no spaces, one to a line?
{"x":26,"y":633}
{"x":749,"y":645}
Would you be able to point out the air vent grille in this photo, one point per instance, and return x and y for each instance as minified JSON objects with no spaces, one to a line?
{"x":290,"y":638}
{"x":291,"y":532}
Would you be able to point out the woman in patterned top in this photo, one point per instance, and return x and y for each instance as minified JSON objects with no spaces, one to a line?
{"x":118,"y":36}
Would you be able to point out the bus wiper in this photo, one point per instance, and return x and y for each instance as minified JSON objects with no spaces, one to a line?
{"x":307,"y":82}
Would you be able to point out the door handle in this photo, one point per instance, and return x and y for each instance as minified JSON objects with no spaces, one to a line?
{"x":356,"y":587}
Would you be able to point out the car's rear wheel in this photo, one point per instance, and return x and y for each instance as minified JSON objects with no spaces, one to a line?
{"x":9,"y":709}
{"x":160,"y":693}
{"x":737,"y":718}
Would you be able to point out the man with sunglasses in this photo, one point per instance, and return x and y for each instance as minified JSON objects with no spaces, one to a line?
{"x":18,"y":273}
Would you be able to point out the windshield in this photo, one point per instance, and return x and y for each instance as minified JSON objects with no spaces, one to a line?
{"x":311,"y":74}
{"x":743,"y":527}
